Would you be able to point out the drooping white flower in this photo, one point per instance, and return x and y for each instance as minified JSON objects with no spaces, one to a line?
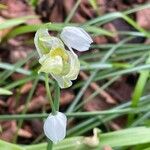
{"x":63,"y":65}
{"x":55,"y":127}
{"x":76,"y":37}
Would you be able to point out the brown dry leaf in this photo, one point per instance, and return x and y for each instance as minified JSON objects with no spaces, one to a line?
{"x":114,"y":126}
{"x":120,"y":5}
{"x":141,"y":1}
{"x":143,"y":18}
{"x":78,"y":18}
{"x":26,"y":88}
{"x":121,"y":25}
{"x":51,"y":10}
{"x":24,"y":133}
{"x":68,"y":5}
{"x":112,"y":28}
{"x":39,"y":127}
{"x":86,"y":8}
{"x":107,"y":148}
{"x":18,"y":8}
{"x":17,"y":76}
{"x":40,"y":90}
{"x":67,"y":97}
{"x":147,"y":41}
{"x":17,"y":54}
{"x":55,"y":15}
{"x":101,"y":4}
{"x":122,"y":89}
{"x":9,"y":131}
{"x":39,"y":101}
{"x":14,"y":9}
{"x":96,"y":87}
{"x":18,"y":48}
{"x":5,"y":125}
{"x":35,"y":104}
{"x":11,"y":102}
{"x":118,"y":123}
{"x":100,"y":40}
{"x":3,"y":103}
{"x":96,"y":103}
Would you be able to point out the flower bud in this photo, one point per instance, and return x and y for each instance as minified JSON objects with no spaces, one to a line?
{"x":55,"y":127}
{"x":76,"y":37}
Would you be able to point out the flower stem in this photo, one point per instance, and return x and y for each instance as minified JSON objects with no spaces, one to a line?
{"x":57,"y":96}
{"x":49,"y":94}
{"x":50,"y":145}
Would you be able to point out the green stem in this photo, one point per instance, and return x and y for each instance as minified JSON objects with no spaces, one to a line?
{"x":49,"y":94}
{"x":50,"y":145}
{"x":121,"y":111}
{"x":57,"y":96}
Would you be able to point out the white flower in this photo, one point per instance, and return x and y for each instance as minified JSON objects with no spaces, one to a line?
{"x":55,"y":127}
{"x":76,"y":37}
{"x":63,"y":65}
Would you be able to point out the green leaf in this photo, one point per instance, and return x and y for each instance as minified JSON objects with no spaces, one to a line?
{"x":147,"y":148}
{"x":126,"y":137}
{"x":56,"y":27}
{"x":14,"y":22}
{"x":7,"y":146}
{"x":5,"y":92}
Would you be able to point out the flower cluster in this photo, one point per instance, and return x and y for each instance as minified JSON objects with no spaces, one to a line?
{"x":63,"y":65}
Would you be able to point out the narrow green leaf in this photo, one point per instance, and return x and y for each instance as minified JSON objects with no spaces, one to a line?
{"x":126,"y":137}
{"x":14,"y":22}
{"x":7,"y":146}
{"x":5,"y":92}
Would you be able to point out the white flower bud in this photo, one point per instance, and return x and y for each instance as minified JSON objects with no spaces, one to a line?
{"x":55,"y":127}
{"x":76,"y":37}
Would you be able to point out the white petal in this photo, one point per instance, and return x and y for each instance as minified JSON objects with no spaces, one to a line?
{"x":51,"y":64}
{"x":41,"y":46}
{"x":44,"y":42}
{"x":55,"y":127}
{"x":76,"y":37}
{"x":74,"y":66}
{"x":66,"y":80}
{"x":62,"y":81}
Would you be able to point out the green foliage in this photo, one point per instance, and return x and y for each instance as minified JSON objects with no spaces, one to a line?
{"x":109,"y":63}
{"x":14,"y":22}
{"x":5,"y":92}
{"x":127,"y":137}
